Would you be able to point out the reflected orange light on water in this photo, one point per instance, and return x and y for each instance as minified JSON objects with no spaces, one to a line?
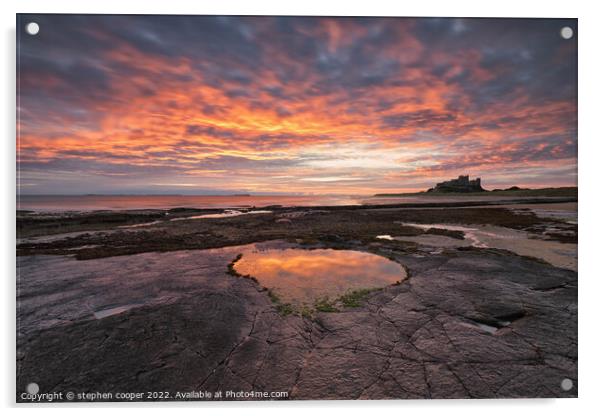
{"x":301,"y":276}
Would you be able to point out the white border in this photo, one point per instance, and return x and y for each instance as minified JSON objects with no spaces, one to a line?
{"x":590,"y":154}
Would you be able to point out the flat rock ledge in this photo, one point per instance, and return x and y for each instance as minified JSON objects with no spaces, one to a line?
{"x":476,"y":323}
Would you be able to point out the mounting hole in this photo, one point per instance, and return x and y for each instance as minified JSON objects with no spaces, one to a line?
{"x":32,"y":28}
{"x":32,"y":388}
{"x":566,"y":384}
{"x":566,"y":32}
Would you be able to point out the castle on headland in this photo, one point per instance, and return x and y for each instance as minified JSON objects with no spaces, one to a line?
{"x":462,"y":184}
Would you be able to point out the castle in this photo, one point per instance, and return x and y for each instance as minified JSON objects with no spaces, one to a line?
{"x":462,"y":184}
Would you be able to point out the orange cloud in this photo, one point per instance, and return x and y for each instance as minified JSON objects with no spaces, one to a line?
{"x":371,"y":103}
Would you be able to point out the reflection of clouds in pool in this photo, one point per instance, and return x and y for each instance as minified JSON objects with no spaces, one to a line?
{"x":226,"y":214}
{"x":114,"y":311}
{"x":469,"y":233}
{"x":566,"y":212}
{"x":487,"y":236}
{"x":301,"y":276}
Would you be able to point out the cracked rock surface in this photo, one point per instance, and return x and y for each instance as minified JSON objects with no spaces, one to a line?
{"x":466,"y":323}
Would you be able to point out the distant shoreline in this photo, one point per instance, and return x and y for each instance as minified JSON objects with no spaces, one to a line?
{"x":165,"y":202}
{"x":568,"y":191}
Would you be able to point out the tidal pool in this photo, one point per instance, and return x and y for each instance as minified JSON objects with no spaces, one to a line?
{"x":226,"y":214}
{"x":487,"y":236}
{"x":300,"y":276}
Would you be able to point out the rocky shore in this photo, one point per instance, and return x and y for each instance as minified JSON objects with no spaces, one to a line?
{"x":154,"y":308}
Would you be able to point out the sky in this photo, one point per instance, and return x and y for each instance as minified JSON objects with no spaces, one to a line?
{"x":295,"y":105}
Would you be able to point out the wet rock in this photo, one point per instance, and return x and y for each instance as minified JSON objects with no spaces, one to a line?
{"x":476,"y":323}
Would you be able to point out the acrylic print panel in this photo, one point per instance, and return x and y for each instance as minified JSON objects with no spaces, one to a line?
{"x":290,"y":208}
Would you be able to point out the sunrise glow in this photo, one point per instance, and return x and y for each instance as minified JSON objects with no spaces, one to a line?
{"x":214,"y":105}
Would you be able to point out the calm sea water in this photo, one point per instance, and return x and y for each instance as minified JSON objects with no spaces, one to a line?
{"x":55,"y":203}
{"x":125,"y":202}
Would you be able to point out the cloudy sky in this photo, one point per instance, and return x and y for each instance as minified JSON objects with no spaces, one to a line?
{"x":210,"y":104}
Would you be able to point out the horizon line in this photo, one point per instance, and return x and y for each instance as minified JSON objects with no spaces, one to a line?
{"x":251,"y":194}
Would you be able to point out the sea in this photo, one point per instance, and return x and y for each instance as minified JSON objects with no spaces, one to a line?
{"x":49,"y":203}
{"x":61,"y":203}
